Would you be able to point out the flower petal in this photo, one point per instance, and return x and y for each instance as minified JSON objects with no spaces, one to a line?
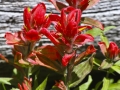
{"x":27,"y":17}
{"x":32,"y":35}
{"x":83,"y":38}
{"x":66,"y":58}
{"x":38,"y":14}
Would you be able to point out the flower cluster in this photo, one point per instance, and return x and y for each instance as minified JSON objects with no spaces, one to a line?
{"x":68,"y":35}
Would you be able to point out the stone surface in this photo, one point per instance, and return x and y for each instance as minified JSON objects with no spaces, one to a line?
{"x":11,"y":20}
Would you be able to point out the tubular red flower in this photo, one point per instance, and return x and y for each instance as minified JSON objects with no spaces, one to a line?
{"x":49,"y":35}
{"x":38,"y":14}
{"x":91,"y":49}
{"x":111,"y":51}
{"x":27,"y":18}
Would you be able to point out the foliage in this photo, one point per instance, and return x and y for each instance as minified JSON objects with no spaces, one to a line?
{"x":60,"y":66}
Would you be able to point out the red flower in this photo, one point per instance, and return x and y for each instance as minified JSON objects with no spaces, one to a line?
{"x":38,"y":14}
{"x":66,"y":59}
{"x":67,"y":31}
{"x":111,"y":51}
{"x":35,"y":18}
{"x":26,"y":85}
{"x":27,"y":18}
{"x":32,"y":35}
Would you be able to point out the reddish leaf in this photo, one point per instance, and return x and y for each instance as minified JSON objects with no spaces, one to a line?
{"x":46,"y":50}
{"x":92,"y":3}
{"x":90,"y":50}
{"x":103,"y":48}
{"x":93,"y":22}
{"x":58,"y":5}
{"x":51,"y":64}
{"x":12,"y":38}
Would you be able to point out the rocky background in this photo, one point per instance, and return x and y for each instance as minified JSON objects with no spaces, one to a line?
{"x":11,"y":19}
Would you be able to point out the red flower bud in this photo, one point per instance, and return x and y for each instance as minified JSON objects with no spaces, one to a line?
{"x":112,"y":50}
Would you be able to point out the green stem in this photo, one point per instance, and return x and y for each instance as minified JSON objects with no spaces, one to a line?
{"x":3,"y":86}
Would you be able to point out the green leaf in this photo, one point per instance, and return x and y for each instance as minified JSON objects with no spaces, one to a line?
{"x":80,"y":71}
{"x":86,"y":85}
{"x":104,"y":39}
{"x":108,"y":28}
{"x":117,"y":63}
{"x":98,"y":85}
{"x":14,"y":89}
{"x":114,"y":86}
{"x":6,"y":80}
{"x":55,"y":88}
{"x":106,"y":83}
{"x":116,"y":68}
{"x":93,"y":22}
{"x":42,"y":86}
{"x":105,"y":64}
{"x":94,"y":32}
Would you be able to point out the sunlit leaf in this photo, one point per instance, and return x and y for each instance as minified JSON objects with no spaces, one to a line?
{"x":114,"y":86}
{"x":116,"y":68}
{"x":5,"y":80}
{"x":94,"y":32}
{"x":108,"y":28}
{"x":106,"y":83}
{"x":105,"y":64}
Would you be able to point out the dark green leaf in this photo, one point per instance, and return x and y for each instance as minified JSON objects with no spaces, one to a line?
{"x":86,"y":85}
{"x":42,"y":86}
